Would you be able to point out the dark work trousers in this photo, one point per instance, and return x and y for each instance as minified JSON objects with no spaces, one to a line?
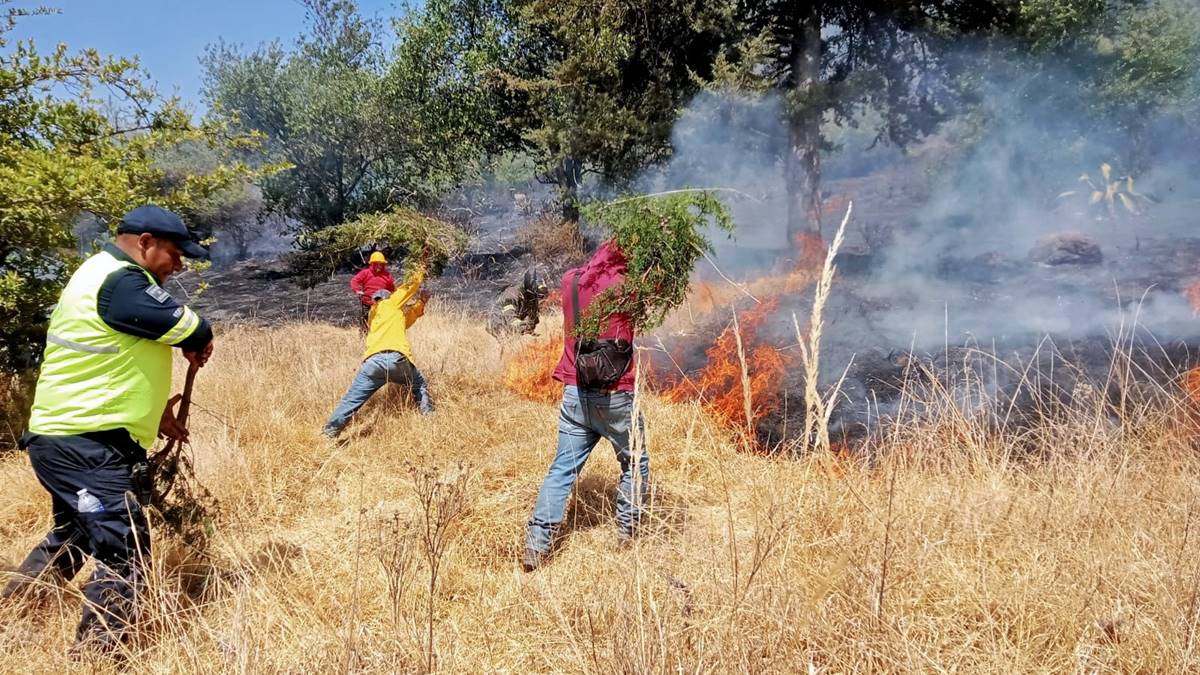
{"x":364,"y":317}
{"x":116,"y":537}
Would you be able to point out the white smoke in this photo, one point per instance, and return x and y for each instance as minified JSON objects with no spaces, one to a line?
{"x":961,"y":212}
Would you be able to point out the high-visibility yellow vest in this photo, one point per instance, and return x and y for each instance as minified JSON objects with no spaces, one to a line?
{"x":96,"y":378}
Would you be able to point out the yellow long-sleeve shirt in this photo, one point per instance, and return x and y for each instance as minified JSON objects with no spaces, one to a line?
{"x":390,"y":319}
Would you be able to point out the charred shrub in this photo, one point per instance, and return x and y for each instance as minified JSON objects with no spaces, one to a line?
{"x":553,"y":239}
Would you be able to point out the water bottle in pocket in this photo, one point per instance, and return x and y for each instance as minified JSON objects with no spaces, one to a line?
{"x":88,"y":502}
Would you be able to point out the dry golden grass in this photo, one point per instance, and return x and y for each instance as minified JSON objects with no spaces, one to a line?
{"x":945,"y":554}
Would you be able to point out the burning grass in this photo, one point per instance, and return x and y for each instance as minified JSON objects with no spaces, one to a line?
{"x":1192,"y":293}
{"x":707,"y":296}
{"x":742,"y":379}
{"x":528,"y":369}
{"x":955,"y":548}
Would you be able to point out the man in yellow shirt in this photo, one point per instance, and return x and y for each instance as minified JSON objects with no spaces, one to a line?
{"x":388,"y":356}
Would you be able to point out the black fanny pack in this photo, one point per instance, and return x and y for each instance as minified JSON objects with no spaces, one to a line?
{"x":599,"y":364}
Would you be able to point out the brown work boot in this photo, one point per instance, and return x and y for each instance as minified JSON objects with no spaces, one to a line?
{"x":532,"y":559}
{"x":627,"y":538}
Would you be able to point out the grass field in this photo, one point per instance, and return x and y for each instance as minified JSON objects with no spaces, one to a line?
{"x":955,"y":549}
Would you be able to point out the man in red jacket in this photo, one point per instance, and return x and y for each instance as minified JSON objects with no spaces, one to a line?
{"x":374,"y":277}
{"x":587,"y":415}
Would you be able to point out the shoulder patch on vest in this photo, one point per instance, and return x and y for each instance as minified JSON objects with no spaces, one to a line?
{"x":158,"y":293}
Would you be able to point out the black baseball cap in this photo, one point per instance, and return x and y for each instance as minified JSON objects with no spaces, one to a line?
{"x":156,"y":220}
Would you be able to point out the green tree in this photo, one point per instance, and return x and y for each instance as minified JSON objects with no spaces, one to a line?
{"x":444,"y":108}
{"x":63,"y":157}
{"x":1123,"y":62}
{"x":595,"y":87}
{"x":362,"y":127}
{"x":834,"y":61}
{"x":234,"y":213}
{"x":318,"y":108}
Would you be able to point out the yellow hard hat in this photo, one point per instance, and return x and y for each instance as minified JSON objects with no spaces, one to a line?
{"x":377,"y":257}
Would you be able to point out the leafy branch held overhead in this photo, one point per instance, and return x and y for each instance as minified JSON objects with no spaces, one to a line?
{"x":662,"y":237}
{"x":401,"y":231}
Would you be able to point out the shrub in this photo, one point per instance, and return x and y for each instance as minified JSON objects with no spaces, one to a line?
{"x":662,"y":237}
{"x":553,"y":239}
{"x":401,"y":232}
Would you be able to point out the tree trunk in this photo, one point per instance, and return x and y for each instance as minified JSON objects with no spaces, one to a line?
{"x":567,"y":175}
{"x":1137,"y":158}
{"x":802,"y":164}
{"x":242,"y":241}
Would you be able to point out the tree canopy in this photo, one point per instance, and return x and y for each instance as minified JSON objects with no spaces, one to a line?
{"x":599,"y":85}
{"x":1124,"y":63}
{"x":833,"y":61}
{"x":595,"y":88}
{"x":362,"y":128}
{"x":67,"y":151}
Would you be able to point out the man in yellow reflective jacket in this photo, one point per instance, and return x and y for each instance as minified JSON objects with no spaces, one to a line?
{"x":101,"y":400}
{"x":388,"y":356}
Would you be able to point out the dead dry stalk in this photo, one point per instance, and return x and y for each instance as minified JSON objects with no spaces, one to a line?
{"x":394,"y":551}
{"x":442,"y":503}
{"x":886,"y":557}
{"x":818,"y":409}
{"x":747,"y":395}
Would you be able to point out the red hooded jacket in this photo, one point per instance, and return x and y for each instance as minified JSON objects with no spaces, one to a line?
{"x":605,"y":269}
{"x":367,"y":281}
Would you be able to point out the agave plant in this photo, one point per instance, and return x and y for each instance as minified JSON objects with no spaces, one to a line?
{"x":1109,"y":196}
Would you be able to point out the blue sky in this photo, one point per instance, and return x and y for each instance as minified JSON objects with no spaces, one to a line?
{"x":169,"y":36}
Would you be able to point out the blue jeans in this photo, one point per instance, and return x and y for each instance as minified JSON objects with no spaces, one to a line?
{"x":587,"y":415}
{"x":376,"y":371}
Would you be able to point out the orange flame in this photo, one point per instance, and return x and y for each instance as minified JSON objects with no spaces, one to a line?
{"x":840,"y":459}
{"x":809,"y":244}
{"x":704,"y":297}
{"x":810,"y":250}
{"x":721,"y":384}
{"x":1191,"y":385}
{"x":529,"y":372}
{"x":1192,"y":293}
